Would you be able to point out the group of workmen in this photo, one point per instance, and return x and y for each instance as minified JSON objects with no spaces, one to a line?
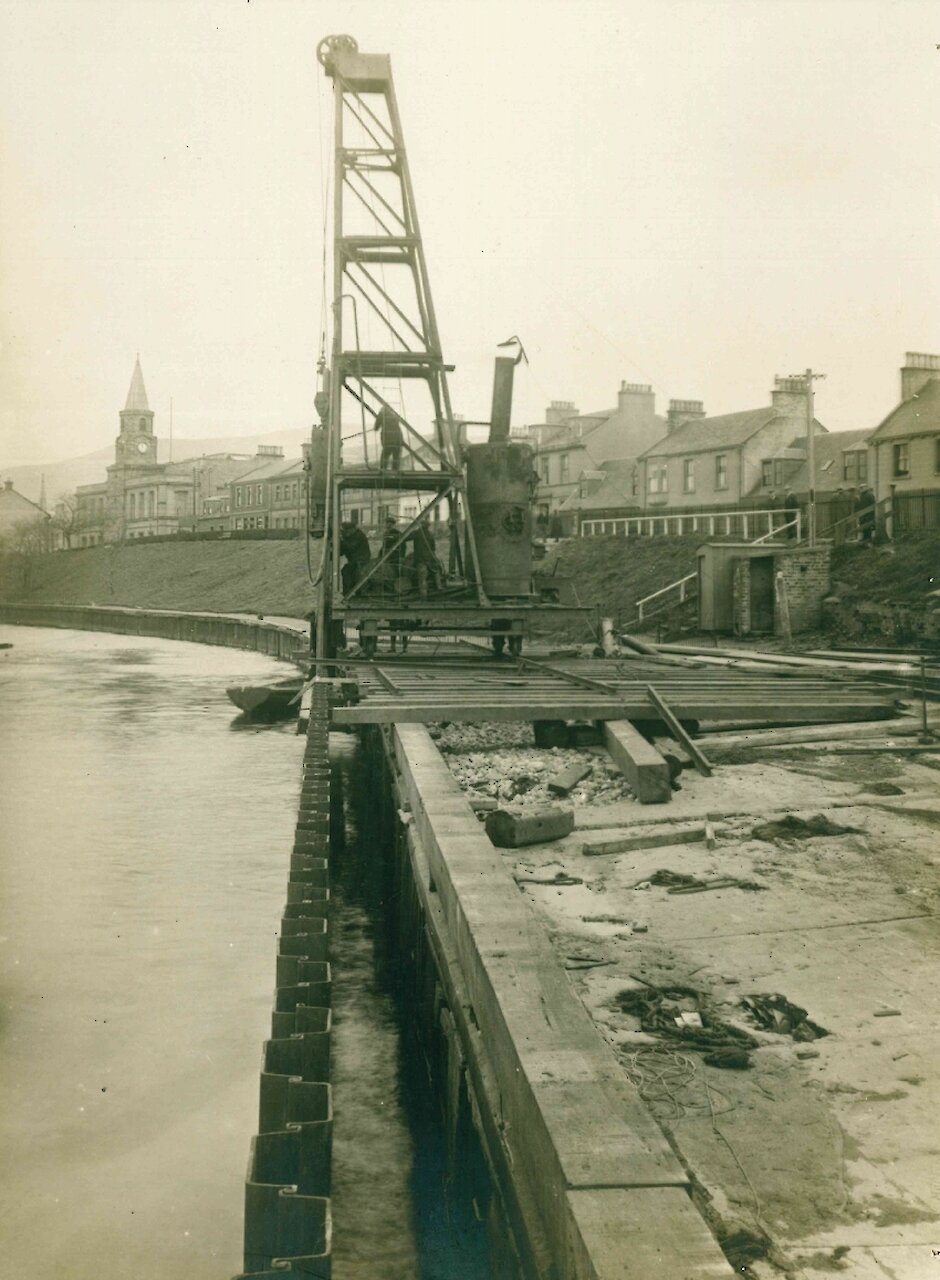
{"x":859,"y":502}
{"x":420,"y":571}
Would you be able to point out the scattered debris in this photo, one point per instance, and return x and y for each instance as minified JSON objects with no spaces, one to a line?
{"x":887,"y":1013}
{"x":679,"y":882}
{"x":807,"y":1053}
{"x":776,"y":1013}
{"x":884,"y":789}
{"x":559,"y":878}
{"x":729,"y":1059}
{"x":742,"y":1247}
{"x":664,"y":1011}
{"x":791,"y":827}
{"x":585,"y":962}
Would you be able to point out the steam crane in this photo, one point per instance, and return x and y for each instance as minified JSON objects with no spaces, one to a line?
{"x":454,"y":519}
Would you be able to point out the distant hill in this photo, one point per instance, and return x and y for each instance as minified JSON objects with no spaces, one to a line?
{"x":89,"y":468}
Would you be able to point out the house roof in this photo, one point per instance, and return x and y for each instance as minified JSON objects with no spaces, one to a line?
{"x":915,"y":417}
{"x":829,"y":448}
{"x":703,"y":435}
{"x":613,"y":489}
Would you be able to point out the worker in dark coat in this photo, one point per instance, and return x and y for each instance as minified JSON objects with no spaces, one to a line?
{"x":397,"y":557}
{"x":428,"y":568}
{"x":388,"y":425}
{"x":354,"y":546}
{"x":865,"y":509}
{"x":791,"y":509}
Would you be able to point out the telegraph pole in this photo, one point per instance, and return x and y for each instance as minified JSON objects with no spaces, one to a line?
{"x":808,"y":378}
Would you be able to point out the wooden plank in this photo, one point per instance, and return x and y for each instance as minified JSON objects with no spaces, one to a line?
{"x":568,"y":779}
{"x":655,"y":838}
{"x":639,"y":762}
{"x":701,"y":761}
{"x":377,"y":711}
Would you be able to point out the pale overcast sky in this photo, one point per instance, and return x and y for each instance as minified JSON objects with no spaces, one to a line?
{"x":697,"y":195}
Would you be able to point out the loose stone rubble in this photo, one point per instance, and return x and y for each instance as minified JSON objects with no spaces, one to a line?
{"x":498,"y":761}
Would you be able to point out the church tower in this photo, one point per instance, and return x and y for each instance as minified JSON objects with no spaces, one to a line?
{"x":136,"y":444}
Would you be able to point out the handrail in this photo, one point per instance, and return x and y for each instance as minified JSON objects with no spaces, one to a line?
{"x":679,"y":582}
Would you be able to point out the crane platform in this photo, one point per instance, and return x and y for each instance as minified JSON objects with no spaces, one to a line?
{"x":406,"y":689}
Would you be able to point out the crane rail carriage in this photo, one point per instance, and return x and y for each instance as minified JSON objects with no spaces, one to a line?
{"x":454,"y":519}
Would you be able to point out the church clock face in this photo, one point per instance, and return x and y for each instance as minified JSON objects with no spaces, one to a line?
{"x":142,"y":446}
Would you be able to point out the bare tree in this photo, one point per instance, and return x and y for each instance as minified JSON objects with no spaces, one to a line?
{"x":27,"y":540}
{"x":67,"y":518}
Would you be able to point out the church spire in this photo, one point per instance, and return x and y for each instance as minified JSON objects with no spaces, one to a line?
{"x":137,"y":393}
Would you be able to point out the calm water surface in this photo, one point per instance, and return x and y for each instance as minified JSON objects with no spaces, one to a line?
{"x":145,"y":847}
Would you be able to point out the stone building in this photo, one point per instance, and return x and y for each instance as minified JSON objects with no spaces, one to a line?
{"x":573,"y":447}
{"x":905,"y":446}
{"x":711,"y":462}
{"x":142,"y":497}
{"x":15,"y":510}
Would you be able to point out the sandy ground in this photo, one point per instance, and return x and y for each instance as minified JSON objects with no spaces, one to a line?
{"x":823,"y":1156}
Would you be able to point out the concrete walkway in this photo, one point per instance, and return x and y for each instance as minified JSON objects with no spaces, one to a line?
{"x":823,"y":1157}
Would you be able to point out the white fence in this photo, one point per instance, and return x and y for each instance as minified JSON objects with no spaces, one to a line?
{"x":747,"y":525}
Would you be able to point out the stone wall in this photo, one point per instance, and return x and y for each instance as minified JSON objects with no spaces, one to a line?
{"x":807,"y":583}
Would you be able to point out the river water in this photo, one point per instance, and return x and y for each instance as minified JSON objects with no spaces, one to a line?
{"x":145,"y":847}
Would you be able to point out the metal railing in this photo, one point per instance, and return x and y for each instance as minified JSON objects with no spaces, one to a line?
{"x":681,"y":583}
{"x":730,"y":523}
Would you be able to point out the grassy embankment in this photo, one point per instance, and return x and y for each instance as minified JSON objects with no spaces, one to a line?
{"x":217,"y":577}
{"x":271,"y":577}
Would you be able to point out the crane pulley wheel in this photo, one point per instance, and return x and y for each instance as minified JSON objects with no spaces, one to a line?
{"x":335,"y":44}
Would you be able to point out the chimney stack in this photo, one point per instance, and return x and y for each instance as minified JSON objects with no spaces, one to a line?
{"x":681,"y":411}
{"x":635,"y":395}
{"x":789,"y":395}
{"x":917,"y":369}
{"x":559,"y":411}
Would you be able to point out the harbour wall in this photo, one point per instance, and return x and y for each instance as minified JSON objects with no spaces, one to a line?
{"x":277,"y":639}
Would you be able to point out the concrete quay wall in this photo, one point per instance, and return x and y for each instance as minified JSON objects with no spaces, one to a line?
{"x":275,"y":639}
{"x":599,"y":1192}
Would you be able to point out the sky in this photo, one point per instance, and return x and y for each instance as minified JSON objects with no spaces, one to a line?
{"x":695,"y":194}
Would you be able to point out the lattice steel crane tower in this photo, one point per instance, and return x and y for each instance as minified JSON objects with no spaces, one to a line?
{"x":387,"y":381}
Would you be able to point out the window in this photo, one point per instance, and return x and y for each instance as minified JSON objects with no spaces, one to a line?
{"x":150,"y":503}
{"x":563,"y":461}
{"x":259,"y":494}
{"x":633,"y":483}
{"x":855,"y":466}
{"x":902,"y":459}
{"x":277,"y":493}
{"x":238,"y":496}
{"x":936,"y":454}
{"x":766,"y":474}
{"x":657,"y":479}
{"x":688,"y":475}
{"x":543,"y":470}
{"x":293,"y":490}
{"x":721,"y":471}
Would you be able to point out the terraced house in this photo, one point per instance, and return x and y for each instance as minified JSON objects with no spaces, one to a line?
{"x":905,"y":446}
{"x":718,"y":462}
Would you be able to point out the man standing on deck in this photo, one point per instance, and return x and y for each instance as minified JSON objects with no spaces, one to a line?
{"x":388,"y":425}
{"x":354,"y":545}
{"x":427,"y":566}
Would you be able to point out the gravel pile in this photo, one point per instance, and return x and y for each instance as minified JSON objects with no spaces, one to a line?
{"x":485,"y":736}
{"x":517,"y":776}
